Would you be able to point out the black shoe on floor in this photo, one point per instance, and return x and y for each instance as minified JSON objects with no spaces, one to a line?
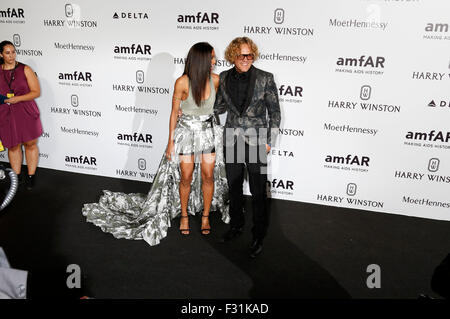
{"x":21,"y":179}
{"x":30,"y":181}
{"x":256,"y":248}
{"x":231,"y":234}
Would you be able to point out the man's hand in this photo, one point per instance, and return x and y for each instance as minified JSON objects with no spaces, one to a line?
{"x":268,"y":148}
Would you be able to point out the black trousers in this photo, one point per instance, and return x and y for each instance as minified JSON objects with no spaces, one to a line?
{"x":254,"y":158}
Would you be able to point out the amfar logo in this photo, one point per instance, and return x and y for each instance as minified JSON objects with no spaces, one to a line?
{"x":348,"y":160}
{"x":287,"y":90}
{"x":348,"y":163}
{"x":82,"y":159}
{"x":131,"y":15}
{"x":198,"y":21}
{"x":280,"y":187}
{"x":436,"y":31}
{"x":415,"y":139}
{"x":76,"y":76}
{"x":291,"y":94}
{"x":281,"y":184}
{"x":278,"y":16}
{"x":361,"y":65}
{"x":440,"y":104}
{"x":135,"y":137}
{"x":432,"y":136}
{"x":144,"y":49}
{"x":132,"y":140}
{"x":362,"y":61}
{"x":436,"y":27}
{"x":200,"y":17}
{"x":12,"y":13}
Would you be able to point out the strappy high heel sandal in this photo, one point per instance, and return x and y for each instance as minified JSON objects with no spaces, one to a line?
{"x":205,"y":231}
{"x":182,"y":230}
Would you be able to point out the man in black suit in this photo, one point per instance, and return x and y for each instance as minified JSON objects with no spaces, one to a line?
{"x":250,"y":97}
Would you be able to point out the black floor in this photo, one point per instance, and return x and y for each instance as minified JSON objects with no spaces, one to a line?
{"x":311,"y":251}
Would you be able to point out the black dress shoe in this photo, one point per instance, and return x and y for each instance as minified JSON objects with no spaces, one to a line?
{"x":256,"y":248}
{"x":231,"y":234}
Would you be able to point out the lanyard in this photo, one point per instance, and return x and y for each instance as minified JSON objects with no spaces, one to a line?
{"x":13,"y":76}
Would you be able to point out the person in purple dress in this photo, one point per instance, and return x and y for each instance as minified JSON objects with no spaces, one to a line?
{"x":19,"y":115}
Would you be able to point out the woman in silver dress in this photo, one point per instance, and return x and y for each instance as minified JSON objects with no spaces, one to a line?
{"x":191,"y":176}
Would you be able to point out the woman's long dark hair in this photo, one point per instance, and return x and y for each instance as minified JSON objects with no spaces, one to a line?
{"x":2,"y":46}
{"x":198,"y":69}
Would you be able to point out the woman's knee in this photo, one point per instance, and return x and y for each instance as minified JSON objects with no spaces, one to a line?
{"x":30,"y":144}
{"x":208,"y":177}
{"x":186,"y":179}
{"x":15,"y":149}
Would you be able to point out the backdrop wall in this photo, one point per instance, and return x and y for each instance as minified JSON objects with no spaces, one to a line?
{"x":363,"y":86}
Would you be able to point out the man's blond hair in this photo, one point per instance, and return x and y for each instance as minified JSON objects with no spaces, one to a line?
{"x":234,"y":49}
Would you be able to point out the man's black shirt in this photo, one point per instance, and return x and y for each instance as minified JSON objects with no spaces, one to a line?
{"x":238,"y":87}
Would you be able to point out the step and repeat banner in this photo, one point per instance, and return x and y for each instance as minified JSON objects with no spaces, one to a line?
{"x":363,"y":87}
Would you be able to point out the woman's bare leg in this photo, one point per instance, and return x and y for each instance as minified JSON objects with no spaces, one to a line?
{"x":187,"y":168}
{"x":208,"y":162}
{"x":15,"y":158}
{"x":31,"y":155}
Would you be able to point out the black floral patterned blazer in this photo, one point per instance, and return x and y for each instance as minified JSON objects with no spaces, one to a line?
{"x":260,"y":119}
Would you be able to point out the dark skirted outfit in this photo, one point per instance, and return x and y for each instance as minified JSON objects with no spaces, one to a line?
{"x":148,"y":217}
{"x":19,"y":122}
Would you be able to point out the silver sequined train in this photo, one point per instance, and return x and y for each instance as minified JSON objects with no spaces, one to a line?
{"x":141,"y":217}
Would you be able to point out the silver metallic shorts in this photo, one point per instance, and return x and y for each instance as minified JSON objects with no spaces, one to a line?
{"x":194,"y":134}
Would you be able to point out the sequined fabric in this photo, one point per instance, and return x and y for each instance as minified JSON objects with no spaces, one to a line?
{"x":148,"y":217}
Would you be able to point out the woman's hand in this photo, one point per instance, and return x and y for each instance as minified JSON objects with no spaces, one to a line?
{"x":12,"y":100}
{"x":170,"y":150}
